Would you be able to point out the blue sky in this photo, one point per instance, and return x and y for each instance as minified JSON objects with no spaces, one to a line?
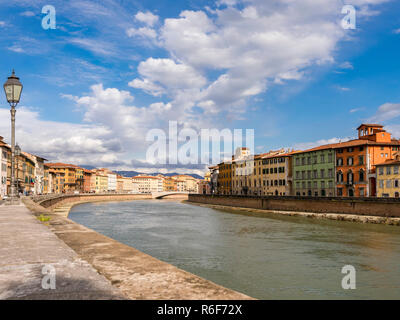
{"x":114,"y":69}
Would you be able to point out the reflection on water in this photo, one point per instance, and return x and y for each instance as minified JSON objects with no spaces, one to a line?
{"x":265,"y":256}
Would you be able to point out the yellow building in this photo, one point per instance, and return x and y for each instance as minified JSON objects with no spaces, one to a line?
{"x":186,"y":183}
{"x":169,"y":184}
{"x":225,"y":178}
{"x":101,"y":183}
{"x":388,"y":178}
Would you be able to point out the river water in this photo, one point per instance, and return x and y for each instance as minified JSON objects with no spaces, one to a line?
{"x":264,"y":256}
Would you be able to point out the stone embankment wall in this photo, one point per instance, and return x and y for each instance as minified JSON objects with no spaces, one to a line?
{"x":379,"y":207}
{"x":53,"y":201}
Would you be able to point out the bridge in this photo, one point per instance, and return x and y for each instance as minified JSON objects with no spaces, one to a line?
{"x":160,"y":195}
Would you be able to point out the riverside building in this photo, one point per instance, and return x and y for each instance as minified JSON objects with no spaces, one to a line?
{"x":314,"y":172}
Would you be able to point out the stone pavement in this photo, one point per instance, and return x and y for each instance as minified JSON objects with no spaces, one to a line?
{"x":26,"y":246}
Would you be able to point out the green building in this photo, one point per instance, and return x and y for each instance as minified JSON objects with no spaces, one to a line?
{"x":314,"y":172}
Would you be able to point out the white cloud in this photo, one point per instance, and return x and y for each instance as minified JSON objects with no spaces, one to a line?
{"x":2,"y":23}
{"x":142,"y":32}
{"x":346,"y":65}
{"x":96,"y":46}
{"x":16,"y":48}
{"x":342,"y":88}
{"x":356,"y":110}
{"x":27,"y":14}
{"x":386,"y":111}
{"x":146,"y":17}
{"x":59,"y":141}
{"x":163,"y":75}
{"x":252,"y":47}
{"x":309,"y":145}
{"x":396,"y":31}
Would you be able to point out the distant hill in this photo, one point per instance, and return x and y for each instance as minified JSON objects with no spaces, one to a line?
{"x":135,"y":173}
{"x":129,"y":174}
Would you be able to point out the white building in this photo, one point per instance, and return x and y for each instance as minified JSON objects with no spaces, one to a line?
{"x":112,"y":182}
{"x":148,"y":184}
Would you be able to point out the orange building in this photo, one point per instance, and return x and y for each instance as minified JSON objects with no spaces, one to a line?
{"x":87,"y":181}
{"x":68,"y":177}
{"x":356,"y":160}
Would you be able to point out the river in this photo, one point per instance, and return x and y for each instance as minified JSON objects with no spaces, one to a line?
{"x":264,"y":256}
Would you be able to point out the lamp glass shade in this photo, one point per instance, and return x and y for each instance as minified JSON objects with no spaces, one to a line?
{"x":13,"y":89}
{"x":17,"y":150}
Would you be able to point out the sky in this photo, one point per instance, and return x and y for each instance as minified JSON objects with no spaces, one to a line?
{"x":113,"y":70}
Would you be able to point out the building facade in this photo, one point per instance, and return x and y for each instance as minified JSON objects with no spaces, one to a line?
{"x":148,"y":184}
{"x":274,"y":174}
{"x":225,"y":178}
{"x":388,"y":178}
{"x":314,"y":172}
{"x":356,"y":160}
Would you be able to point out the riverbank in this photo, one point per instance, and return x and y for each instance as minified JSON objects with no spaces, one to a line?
{"x":136,"y":274}
{"x":27,"y":246}
{"x":329,"y":216}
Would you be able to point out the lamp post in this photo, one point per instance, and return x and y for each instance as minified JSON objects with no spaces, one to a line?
{"x":13,"y":89}
{"x":17,"y":154}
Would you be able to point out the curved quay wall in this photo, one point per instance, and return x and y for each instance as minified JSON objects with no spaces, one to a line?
{"x":50,"y":202}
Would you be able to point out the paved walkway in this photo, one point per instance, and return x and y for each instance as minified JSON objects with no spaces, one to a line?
{"x":26,"y":246}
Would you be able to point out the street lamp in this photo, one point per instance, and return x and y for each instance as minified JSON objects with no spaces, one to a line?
{"x":17,"y":154}
{"x":13,"y":89}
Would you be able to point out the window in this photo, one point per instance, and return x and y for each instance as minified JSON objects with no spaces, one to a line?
{"x":340,"y":192}
{"x":339,"y":161}
{"x":330,"y":183}
{"x":388,"y":183}
{"x":380,"y":171}
{"x":309,"y":174}
{"x":350,"y":161}
{"x":350,"y":177}
{"x":315,"y":184}
{"x":309,"y":160}
{"x":395,"y":170}
{"x":350,"y":149}
{"x":381,"y":182}
{"x":330,"y":173}
{"x":361,"y":148}
{"x":322,"y":184}
{"x":322,"y":173}
{"x":339,"y":176}
{"x":388,"y":170}
{"x":330,"y":157}
{"x":360,"y":160}
{"x":297,"y":174}
{"x":340,"y":151}
{"x":315,"y":160}
{"x":322,"y":158}
{"x":396,"y":183}
{"x":303,"y":161}
{"x":315,"y":175}
{"x":297,"y":161}
{"x":362,"y":192}
{"x":361,"y":174}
